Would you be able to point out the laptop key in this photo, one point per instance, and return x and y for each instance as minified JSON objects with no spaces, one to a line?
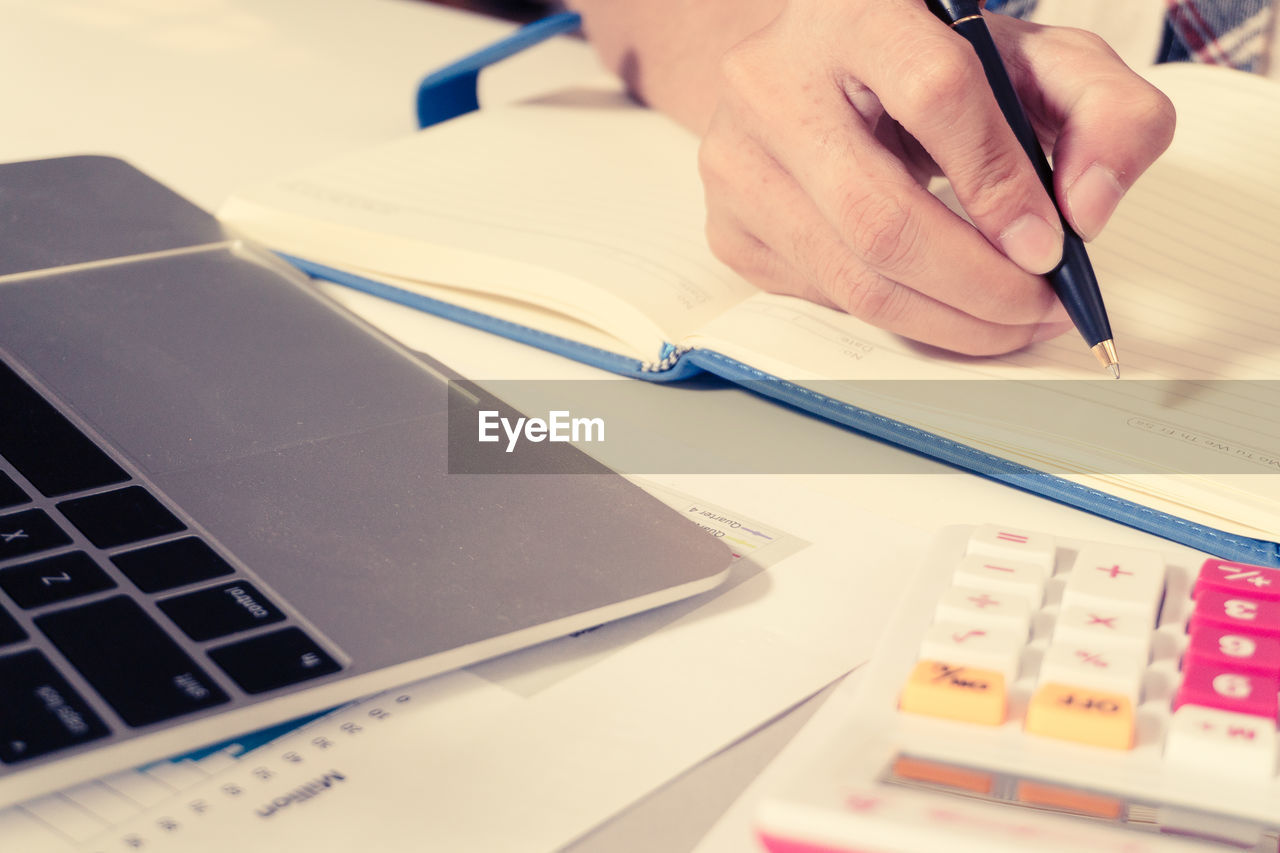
{"x":129,"y":659}
{"x":54,"y":579}
{"x":10,"y":631}
{"x":171,"y":564}
{"x":121,"y":516}
{"x":221,"y":610}
{"x":273,"y":660}
{"x":11,"y":493}
{"x":29,"y":532}
{"x":46,"y":447}
{"x":39,"y":711}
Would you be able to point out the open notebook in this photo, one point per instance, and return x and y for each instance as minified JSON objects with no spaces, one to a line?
{"x":576,"y":223}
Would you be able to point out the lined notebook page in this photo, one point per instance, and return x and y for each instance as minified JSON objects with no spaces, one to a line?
{"x":1190,"y":266}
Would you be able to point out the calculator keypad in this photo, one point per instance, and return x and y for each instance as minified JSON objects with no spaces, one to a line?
{"x":1037,"y":692}
{"x":1064,"y":649}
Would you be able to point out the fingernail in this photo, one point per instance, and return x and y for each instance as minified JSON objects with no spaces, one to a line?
{"x":1032,"y":243}
{"x":1092,"y":198}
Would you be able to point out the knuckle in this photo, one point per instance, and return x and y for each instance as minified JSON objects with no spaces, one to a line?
{"x":814,"y":251}
{"x":873,"y":298}
{"x":1155,"y":114}
{"x":998,"y":180}
{"x":1146,"y":113}
{"x":1077,"y":41}
{"x":881,"y":229}
{"x":741,"y":66}
{"x":938,"y":82}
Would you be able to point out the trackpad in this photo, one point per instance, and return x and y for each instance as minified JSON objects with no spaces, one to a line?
{"x":192,"y":358}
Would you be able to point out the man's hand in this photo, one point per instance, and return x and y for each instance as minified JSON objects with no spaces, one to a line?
{"x":822,"y":127}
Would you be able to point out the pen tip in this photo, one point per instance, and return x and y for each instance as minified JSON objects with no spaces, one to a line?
{"x":1106,"y":353}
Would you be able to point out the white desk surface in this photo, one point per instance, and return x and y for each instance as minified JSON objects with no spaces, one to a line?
{"x":207,"y":95}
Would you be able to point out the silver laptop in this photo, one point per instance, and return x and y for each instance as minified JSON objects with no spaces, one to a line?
{"x":225,"y":503}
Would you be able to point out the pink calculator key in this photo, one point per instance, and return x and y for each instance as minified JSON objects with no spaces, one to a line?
{"x":1257,"y":582}
{"x":1228,"y":648}
{"x":1232,"y":610}
{"x":1218,"y":687}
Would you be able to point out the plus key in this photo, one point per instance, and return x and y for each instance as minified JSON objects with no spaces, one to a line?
{"x":1106,"y":580}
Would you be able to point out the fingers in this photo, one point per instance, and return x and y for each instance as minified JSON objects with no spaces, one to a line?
{"x":930,"y":79}
{"x":813,"y":180}
{"x":769,"y":229}
{"x":826,"y":120}
{"x":1107,"y":124}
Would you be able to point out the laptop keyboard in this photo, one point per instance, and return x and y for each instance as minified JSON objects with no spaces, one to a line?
{"x":114,"y":614}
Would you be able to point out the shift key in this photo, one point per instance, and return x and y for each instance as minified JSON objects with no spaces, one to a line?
{"x":129,"y":659}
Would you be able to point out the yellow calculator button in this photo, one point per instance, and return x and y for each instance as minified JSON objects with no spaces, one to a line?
{"x":1082,"y":715}
{"x":955,"y":692}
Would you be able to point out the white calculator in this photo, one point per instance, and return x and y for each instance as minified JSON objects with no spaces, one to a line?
{"x":1039,"y":693}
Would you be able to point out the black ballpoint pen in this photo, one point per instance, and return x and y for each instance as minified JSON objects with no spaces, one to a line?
{"x":1072,"y":279}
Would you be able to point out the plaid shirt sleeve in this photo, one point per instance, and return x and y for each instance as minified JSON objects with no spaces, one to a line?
{"x":1220,"y":32}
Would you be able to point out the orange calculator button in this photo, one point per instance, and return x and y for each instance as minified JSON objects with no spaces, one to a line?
{"x":1069,"y":799}
{"x":947,"y":775}
{"x":955,"y":692}
{"x":1079,"y":714}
